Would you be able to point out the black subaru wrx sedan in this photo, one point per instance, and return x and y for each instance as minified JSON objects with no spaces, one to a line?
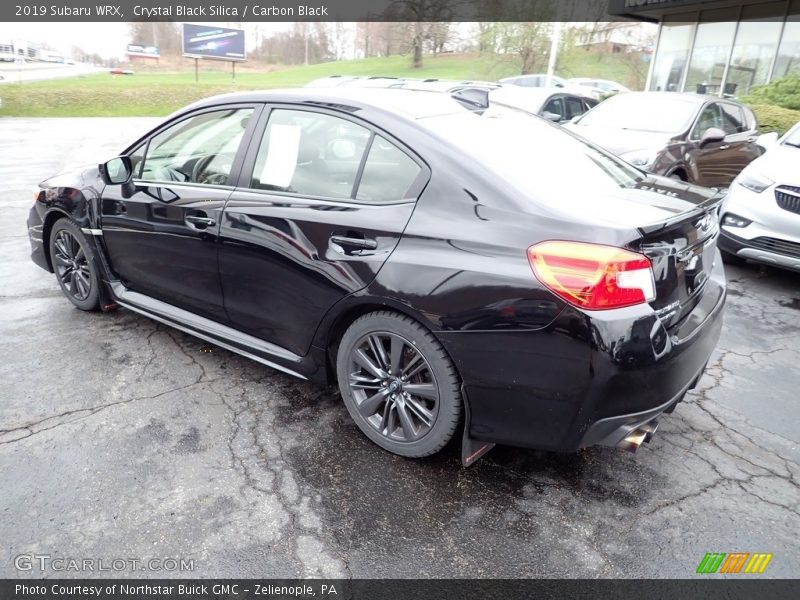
{"x":457,"y":268}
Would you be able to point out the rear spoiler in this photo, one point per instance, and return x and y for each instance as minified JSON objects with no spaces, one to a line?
{"x":704,"y":207}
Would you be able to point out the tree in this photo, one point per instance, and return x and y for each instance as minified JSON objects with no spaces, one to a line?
{"x":163,"y":34}
{"x":423,"y":16}
{"x":526,"y":45}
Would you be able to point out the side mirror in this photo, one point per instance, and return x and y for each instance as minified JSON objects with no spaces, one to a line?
{"x":117,"y":171}
{"x":713,"y":135}
{"x":551,"y":116}
{"x":767,"y":140}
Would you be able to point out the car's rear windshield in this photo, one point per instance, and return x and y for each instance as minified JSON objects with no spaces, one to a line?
{"x":670,"y":113}
{"x":539,"y":158}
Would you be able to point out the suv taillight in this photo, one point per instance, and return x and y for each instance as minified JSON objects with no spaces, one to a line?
{"x":592,"y":276}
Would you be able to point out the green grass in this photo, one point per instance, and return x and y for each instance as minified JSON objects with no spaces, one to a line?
{"x":156,"y":93}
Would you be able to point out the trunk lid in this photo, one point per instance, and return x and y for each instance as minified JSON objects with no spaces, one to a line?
{"x":682,"y":250}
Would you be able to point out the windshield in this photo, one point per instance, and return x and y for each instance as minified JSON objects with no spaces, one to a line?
{"x":793,"y":137}
{"x":643,"y":112}
{"x":538,"y":158}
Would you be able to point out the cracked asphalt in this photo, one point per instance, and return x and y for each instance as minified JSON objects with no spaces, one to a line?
{"x":120,"y":437}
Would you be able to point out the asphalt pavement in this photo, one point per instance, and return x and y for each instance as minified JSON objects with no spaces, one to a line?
{"x":122,"y":438}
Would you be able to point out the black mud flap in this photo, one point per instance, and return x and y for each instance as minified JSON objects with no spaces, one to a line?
{"x":471,"y":449}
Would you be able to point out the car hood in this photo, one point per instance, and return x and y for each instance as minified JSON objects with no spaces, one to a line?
{"x":76,"y":177}
{"x":619,"y":141}
{"x":779,"y":164}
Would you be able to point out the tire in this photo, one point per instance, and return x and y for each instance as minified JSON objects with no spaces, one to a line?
{"x":75,"y":265}
{"x":407,"y":398}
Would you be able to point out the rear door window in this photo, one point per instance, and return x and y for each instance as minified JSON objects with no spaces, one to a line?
{"x":310,"y":154}
{"x":575,"y":107}
{"x":389,"y":173}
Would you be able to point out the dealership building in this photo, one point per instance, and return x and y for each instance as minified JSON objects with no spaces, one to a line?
{"x":720,"y":47}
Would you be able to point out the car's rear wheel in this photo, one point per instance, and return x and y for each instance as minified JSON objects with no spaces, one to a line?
{"x":74,"y":265}
{"x":399,"y":384}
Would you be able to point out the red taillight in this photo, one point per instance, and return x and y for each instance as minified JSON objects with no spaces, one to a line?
{"x":592,"y":276}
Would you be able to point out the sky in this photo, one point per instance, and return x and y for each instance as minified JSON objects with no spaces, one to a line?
{"x":106,"y":39}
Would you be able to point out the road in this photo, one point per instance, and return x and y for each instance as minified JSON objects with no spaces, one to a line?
{"x":123,"y":438}
{"x":13,"y":73}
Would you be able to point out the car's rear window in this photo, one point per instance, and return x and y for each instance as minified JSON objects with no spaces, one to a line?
{"x":542,"y":160}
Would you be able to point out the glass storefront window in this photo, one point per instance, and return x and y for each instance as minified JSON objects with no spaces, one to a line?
{"x":712,"y":47}
{"x":788,"y":61}
{"x":756,"y":42}
{"x":673,"y":50}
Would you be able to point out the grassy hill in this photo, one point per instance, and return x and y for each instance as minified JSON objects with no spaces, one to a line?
{"x":156,"y":92}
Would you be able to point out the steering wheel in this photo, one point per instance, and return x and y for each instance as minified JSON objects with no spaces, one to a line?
{"x":200,"y":166}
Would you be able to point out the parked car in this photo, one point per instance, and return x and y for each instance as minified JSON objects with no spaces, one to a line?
{"x":454,"y":270}
{"x":599,"y":89}
{"x":551,"y":103}
{"x":541,"y":80}
{"x":761,"y":213}
{"x":699,"y":139}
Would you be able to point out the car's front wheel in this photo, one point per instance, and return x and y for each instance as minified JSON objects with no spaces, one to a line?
{"x":74,"y":265}
{"x":399,"y":384}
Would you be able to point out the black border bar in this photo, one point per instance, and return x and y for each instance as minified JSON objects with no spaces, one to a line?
{"x":341,"y":10}
{"x":743,"y":587}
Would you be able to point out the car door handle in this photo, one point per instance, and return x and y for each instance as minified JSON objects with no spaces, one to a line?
{"x":200,"y":221}
{"x":354,"y":242}
{"x":724,"y":146}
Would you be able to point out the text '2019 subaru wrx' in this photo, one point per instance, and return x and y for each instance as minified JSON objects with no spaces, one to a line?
{"x":457,"y":269}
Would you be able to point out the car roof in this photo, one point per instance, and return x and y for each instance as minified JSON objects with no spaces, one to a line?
{"x":685,"y":96}
{"x":428,"y":84}
{"x":411,"y":104}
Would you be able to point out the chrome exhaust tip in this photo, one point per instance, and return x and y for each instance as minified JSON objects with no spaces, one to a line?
{"x":633,"y":440}
{"x":641,"y":435}
{"x":650,"y":430}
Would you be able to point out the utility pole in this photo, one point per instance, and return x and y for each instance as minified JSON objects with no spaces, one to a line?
{"x":305,"y":36}
{"x":554,"y":43}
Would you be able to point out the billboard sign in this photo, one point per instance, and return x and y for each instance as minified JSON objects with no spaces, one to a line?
{"x":139,"y":50}
{"x":206,"y":41}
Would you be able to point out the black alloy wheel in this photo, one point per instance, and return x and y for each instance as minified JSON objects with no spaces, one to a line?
{"x":398,"y":384}
{"x":73,"y":265}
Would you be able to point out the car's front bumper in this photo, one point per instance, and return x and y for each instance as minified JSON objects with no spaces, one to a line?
{"x":773,"y":235}
{"x":587,"y":378}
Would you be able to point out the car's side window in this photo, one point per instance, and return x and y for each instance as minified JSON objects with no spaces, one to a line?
{"x":309,"y":153}
{"x":388,"y":173}
{"x":709,"y":117}
{"x":733,"y":120}
{"x":200,"y":149}
{"x":556,"y":106}
{"x":574,"y":107}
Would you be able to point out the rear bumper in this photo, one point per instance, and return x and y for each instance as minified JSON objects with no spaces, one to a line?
{"x":587,"y":378}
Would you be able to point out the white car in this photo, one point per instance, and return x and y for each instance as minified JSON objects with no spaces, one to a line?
{"x":598,"y":89}
{"x":541,"y":80}
{"x":761,"y":213}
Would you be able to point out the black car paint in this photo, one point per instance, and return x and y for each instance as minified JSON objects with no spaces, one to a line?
{"x":536,"y":372}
